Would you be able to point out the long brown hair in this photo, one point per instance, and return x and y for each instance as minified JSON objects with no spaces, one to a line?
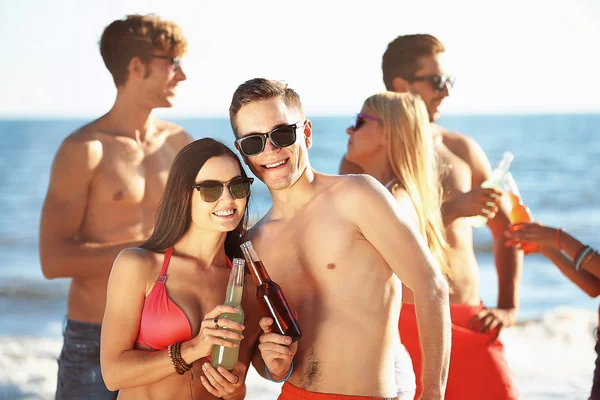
{"x":174,"y":215}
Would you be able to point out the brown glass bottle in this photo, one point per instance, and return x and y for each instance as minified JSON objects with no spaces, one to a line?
{"x":270,"y":296}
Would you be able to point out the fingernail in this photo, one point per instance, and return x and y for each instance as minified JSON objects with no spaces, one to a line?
{"x":288,"y":340}
{"x":205,"y":365}
{"x":243,"y":327}
{"x":242,"y":336}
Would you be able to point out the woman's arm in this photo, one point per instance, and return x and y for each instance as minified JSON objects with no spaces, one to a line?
{"x":586,"y":282}
{"x":122,"y":365}
{"x":555,"y":241}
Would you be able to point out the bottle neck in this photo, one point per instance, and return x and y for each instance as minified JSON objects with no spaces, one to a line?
{"x":259,"y":273}
{"x":235,"y":285}
{"x":233,"y":297}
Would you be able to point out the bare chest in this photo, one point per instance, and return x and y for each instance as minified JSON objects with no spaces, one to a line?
{"x":455,"y":172}
{"x":132,"y":176}
{"x":307,"y":254}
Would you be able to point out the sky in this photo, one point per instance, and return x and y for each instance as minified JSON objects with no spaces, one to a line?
{"x":514,"y":56}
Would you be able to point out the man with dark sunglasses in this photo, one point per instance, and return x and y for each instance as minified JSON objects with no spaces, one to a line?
{"x":414,"y":63}
{"x":106,"y":182}
{"x":337,"y":246}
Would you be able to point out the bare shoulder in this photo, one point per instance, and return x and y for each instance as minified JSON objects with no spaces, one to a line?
{"x":353,"y":184}
{"x":470,"y":151}
{"x":81,"y":149}
{"x":461,"y":145}
{"x":134,"y":262}
{"x":176,"y":135}
{"x":167,"y":126}
{"x":352,"y":193}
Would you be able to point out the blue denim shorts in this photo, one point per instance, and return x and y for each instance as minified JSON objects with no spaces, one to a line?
{"x":79,"y":375}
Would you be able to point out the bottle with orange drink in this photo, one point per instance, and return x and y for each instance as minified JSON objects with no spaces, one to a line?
{"x":519,"y":211}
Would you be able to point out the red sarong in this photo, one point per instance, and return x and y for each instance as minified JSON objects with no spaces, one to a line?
{"x":478,"y":368}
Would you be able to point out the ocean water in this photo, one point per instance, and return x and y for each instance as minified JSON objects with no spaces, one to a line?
{"x":557,"y":170}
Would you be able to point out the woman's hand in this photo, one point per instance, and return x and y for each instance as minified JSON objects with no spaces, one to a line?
{"x":222,"y":383}
{"x":531,"y":232}
{"x":211,"y":335}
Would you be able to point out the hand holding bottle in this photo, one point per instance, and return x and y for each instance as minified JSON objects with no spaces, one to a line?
{"x":494,"y":181}
{"x":222,"y":356}
{"x":532,"y":232}
{"x":479,"y":201}
{"x":211,"y":335}
{"x":277,"y":351}
{"x":222,"y":383}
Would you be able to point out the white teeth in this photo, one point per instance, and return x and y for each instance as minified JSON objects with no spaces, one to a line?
{"x":224,"y":213}
{"x":275,"y":165}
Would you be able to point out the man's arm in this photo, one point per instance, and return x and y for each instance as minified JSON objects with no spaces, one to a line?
{"x":508,"y":260}
{"x":382,"y":222}
{"x":62,"y":254}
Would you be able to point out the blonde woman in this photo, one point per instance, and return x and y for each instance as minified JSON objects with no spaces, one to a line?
{"x":391,"y":140}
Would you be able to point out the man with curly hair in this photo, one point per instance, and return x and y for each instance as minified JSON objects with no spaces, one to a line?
{"x":106,"y":181}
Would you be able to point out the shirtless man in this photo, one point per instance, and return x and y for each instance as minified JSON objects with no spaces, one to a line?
{"x":339,"y":247}
{"x":106,"y":181}
{"x":414,"y":63}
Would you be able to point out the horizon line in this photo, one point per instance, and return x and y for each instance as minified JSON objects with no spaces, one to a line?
{"x":52,"y":117}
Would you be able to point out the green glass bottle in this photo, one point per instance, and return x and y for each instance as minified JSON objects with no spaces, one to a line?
{"x":227,"y":357}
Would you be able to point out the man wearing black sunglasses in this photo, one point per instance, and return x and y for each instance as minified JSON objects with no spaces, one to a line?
{"x":414,"y":63}
{"x":106,"y":182}
{"x":334,"y":244}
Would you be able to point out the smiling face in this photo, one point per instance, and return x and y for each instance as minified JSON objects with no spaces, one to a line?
{"x":278,"y":167}
{"x":161,"y":80}
{"x":225,"y":214}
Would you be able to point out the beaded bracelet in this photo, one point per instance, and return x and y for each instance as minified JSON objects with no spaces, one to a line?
{"x":185,"y":366}
{"x":284,"y":379}
{"x":180,"y":366}
{"x":558,"y":233}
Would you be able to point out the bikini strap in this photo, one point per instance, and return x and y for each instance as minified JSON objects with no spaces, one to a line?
{"x":163,"y":271}
{"x":229,"y":264}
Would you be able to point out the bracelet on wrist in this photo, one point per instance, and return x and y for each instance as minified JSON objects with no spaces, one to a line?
{"x":585,"y":258}
{"x":558,"y":235}
{"x":178,"y":363}
{"x":581,"y":256}
{"x":284,"y":379}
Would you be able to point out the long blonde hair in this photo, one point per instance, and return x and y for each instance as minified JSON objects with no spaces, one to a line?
{"x":414,"y":163}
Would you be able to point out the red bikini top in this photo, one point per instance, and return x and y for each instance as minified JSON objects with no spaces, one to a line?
{"x":163,"y":322}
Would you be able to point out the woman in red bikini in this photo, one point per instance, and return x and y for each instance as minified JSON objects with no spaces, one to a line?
{"x":163,"y":300}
